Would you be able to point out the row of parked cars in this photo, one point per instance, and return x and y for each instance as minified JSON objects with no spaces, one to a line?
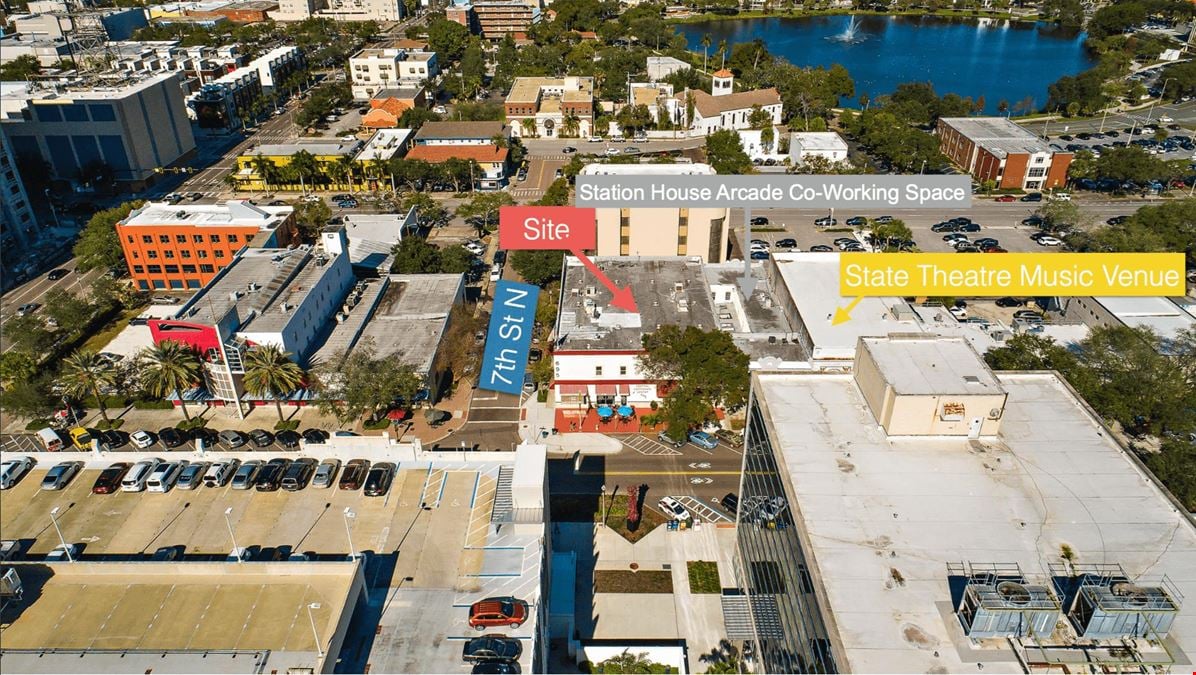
{"x":495,"y":652}
{"x":171,"y":438}
{"x":157,"y":475}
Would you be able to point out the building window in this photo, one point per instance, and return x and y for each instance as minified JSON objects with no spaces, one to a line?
{"x":197,"y":238}
{"x":188,"y":269}
{"x":1036,"y":173}
{"x":185,"y":253}
{"x":146,"y":239}
{"x":164,"y":238}
{"x":180,"y":238}
{"x":138,"y":269}
{"x":207,"y":269}
{"x":130,"y":238}
{"x":218,"y":253}
{"x":151,"y":254}
{"x":622,"y":370}
{"x":154,"y":269}
{"x":214,"y":238}
{"x":597,"y":371}
{"x":232,"y":238}
{"x":172,"y":269}
{"x":201,"y":254}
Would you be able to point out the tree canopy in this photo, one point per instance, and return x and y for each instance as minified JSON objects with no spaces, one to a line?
{"x":538,"y":267}
{"x":98,"y":247}
{"x":705,"y":369}
{"x":725,"y":153}
{"x":363,"y":383}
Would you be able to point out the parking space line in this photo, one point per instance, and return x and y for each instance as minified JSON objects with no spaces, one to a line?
{"x":707,"y":513}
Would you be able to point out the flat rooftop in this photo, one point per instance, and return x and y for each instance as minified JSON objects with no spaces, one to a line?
{"x":667,"y":290}
{"x":443,"y":131}
{"x":228,"y":214}
{"x":328,"y":147}
{"x":997,"y":135}
{"x":811,"y":280}
{"x":529,"y":89}
{"x":178,"y":607}
{"x":818,"y":140}
{"x":927,"y":365}
{"x":124,"y":87}
{"x":384,"y":144}
{"x":278,"y":274}
{"x":647,"y":170}
{"x":392,"y":53}
{"x":410,"y":317}
{"x":1162,"y":315}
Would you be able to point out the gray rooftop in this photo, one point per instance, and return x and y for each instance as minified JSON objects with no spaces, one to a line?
{"x":871,"y":509}
{"x":918,"y":364}
{"x":330,"y":146}
{"x":997,"y":135}
{"x":667,"y":290}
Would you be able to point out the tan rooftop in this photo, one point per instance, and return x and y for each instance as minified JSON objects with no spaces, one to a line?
{"x":713,"y":106}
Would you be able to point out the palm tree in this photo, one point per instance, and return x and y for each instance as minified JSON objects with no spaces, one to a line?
{"x":722,"y":51}
{"x":264,"y":168}
{"x":269,"y":371}
{"x":529,"y":126}
{"x":305,"y":165}
{"x":570,"y":124}
{"x":84,"y":373}
{"x":349,"y":165}
{"x":169,"y":367}
{"x":706,"y":40}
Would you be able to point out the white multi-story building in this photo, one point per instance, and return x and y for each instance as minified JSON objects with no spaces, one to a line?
{"x":276,"y":65}
{"x":825,"y":144}
{"x":373,"y":70}
{"x":339,"y":10}
{"x":724,"y":108}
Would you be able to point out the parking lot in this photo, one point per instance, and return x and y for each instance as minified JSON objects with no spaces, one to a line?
{"x":999,"y":220}
{"x":310,"y":520}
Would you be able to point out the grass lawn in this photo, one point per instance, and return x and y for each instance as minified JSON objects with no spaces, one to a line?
{"x":703,"y":577}
{"x":628,"y":581}
{"x":575,"y":508}
{"x":97,"y":342}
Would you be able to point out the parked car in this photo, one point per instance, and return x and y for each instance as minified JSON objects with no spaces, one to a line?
{"x":209,"y":437}
{"x":134,"y":480}
{"x":498,"y":611}
{"x":63,"y":553}
{"x":171,"y":437}
{"x":164,"y":477}
{"x":109,"y":479}
{"x":1049,"y":241}
{"x":287,"y":439}
{"x":270,"y":477}
{"x":663,"y":437}
{"x":298,"y":474}
{"x":192,"y":475}
{"x":354,"y":474}
{"x":57,"y":274}
{"x":246,"y":474}
{"x":168,"y":553}
{"x":141,"y":439}
{"x":232,"y":439}
{"x":220,"y":473}
{"x":13,"y":470}
{"x":788,"y":243}
{"x":377,"y":481}
{"x":492,"y":647}
{"x":1006,"y":198}
{"x":1010,"y":302}
{"x":496,"y":668}
{"x":1032,"y":197}
{"x":673,"y":509}
{"x":770,"y":509}
{"x":316,"y":436}
{"x":60,"y":475}
{"x":730,"y":502}
{"x":759,"y":220}
{"x":80,"y":438}
{"x":759,"y":255}
{"x":821,"y":248}
{"x":325,"y":473}
{"x":826,"y":221}
{"x":27,"y":308}
{"x":261,"y":438}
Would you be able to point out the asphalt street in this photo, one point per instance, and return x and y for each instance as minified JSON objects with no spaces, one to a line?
{"x":35,"y":291}
{"x":1184,"y":114}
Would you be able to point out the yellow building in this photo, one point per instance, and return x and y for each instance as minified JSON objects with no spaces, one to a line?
{"x":333,"y":167}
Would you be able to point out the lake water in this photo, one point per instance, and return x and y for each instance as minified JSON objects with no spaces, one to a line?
{"x":996,"y":59}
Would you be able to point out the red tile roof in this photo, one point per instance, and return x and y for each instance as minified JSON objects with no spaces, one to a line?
{"x":723,"y":73}
{"x":439,"y":153}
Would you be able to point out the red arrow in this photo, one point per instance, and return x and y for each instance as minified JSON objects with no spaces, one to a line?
{"x":622,"y":296}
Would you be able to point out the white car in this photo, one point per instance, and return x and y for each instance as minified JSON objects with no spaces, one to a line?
{"x":1061,"y":197}
{"x":141,"y":439}
{"x":60,"y":553}
{"x":476,"y":249}
{"x":673,"y":509}
{"x":612,"y":151}
{"x":134,"y":480}
{"x":1049,"y":241}
{"x":495,"y":272}
{"x":594,"y":139}
{"x":960,"y":313}
{"x":310,"y":199}
{"x":440,"y":110}
{"x":12,"y":470}
{"x":1165,"y":119}
{"x":220,"y":473}
{"x":758,"y":247}
{"x":164,"y":477}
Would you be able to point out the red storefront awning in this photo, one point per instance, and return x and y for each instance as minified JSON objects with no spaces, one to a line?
{"x":572,"y":388}
{"x":606,"y":389}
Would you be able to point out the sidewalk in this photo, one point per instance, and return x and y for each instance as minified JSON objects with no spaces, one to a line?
{"x":542,"y":417}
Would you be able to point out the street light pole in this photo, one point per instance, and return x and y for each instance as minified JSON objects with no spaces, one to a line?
{"x":604,"y":505}
{"x":66,"y":549}
{"x":1158,"y":99}
{"x":229,"y":522}
{"x":348,"y":532}
{"x":314,"y":632}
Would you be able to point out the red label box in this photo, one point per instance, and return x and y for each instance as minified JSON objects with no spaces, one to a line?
{"x":522,"y":228}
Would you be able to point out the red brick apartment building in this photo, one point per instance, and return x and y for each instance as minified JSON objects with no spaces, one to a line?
{"x":183,"y":247}
{"x":996,"y":149}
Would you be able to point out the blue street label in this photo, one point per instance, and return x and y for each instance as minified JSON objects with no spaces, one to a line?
{"x":509,"y":337}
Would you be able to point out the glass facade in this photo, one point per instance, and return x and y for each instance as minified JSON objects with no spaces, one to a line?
{"x":770,"y":565}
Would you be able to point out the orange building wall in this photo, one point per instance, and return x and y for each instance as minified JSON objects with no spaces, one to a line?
{"x":1057,"y":174}
{"x":194,"y":261}
{"x":1015,"y":170}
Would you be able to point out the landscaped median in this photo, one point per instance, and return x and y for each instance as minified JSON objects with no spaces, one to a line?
{"x":586,"y":508}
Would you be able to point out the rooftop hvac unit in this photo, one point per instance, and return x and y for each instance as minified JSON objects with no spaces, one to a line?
{"x":1105,"y":603}
{"x":997,"y":602}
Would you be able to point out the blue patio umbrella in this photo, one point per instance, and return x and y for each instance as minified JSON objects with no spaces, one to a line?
{"x":626,"y":411}
{"x":605,"y":411}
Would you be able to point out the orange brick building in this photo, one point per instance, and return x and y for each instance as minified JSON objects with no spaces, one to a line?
{"x":996,"y":149}
{"x":183,"y":247}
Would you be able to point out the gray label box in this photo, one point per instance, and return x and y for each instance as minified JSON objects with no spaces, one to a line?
{"x":775,"y":191}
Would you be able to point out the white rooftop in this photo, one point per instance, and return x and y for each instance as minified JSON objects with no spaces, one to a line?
{"x":233,"y":213}
{"x":928,"y":365}
{"x":819,"y":140}
{"x":647,"y":170}
{"x":812,"y":280}
{"x":872,"y":509}
{"x":1160,"y":314}
{"x":384,"y":144}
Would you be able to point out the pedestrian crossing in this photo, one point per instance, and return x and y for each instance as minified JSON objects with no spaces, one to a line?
{"x":527,"y":192}
{"x":647,"y":446}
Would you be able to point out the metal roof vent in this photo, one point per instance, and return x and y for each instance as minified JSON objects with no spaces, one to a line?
{"x":1103,"y":602}
{"x":997,"y":602}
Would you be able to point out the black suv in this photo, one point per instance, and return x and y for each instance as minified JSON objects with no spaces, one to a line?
{"x":298,"y":474}
{"x":270,"y":476}
{"x":377,"y":481}
{"x":492,"y":647}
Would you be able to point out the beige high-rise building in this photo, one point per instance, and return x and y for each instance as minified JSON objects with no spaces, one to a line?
{"x":643,"y":231}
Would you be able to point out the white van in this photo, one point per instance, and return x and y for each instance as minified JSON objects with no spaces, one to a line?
{"x":163,"y":478}
{"x":134,"y":480}
{"x":50,"y":439}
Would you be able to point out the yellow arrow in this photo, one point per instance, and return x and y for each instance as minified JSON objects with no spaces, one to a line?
{"x":843,"y":314}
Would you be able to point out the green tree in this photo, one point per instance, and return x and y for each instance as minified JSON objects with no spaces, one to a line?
{"x":98,"y":246}
{"x":633,"y":118}
{"x":304,"y":164}
{"x":538,"y":267}
{"x":629,"y":662}
{"x":707,"y":368}
{"x":85,"y":374}
{"x":447,"y":38}
{"x":361,"y":383}
{"x":455,"y":260}
{"x":759,"y":118}
{"x":270,"y":372}
{"x":725,"y":153}
{"x":414,"y":255}
{"x":557,"y":194}
{"x":16,"y":366}
{"x":890,"y":235}
{"x":170,"y":367}
{"x":21,"y":68}
{"x":311,"y":217}
{"x":429,"y":213}
{"x":481,"y":210}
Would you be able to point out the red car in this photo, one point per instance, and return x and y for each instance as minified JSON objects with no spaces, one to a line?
{"x":109,"y":479}
{"x":1006,"y":198}
{"x":501,"y":611}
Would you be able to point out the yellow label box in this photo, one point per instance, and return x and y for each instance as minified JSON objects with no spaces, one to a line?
{"x":1000,"y":274}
